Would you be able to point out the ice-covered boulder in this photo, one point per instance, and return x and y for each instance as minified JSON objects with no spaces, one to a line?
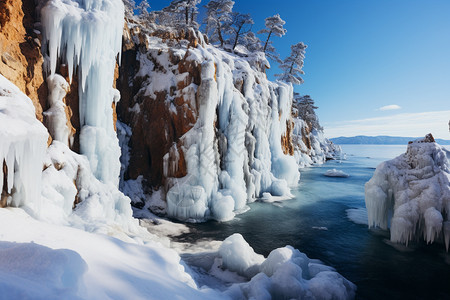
{"x":286,"y":273}
{"x":414,"y":189}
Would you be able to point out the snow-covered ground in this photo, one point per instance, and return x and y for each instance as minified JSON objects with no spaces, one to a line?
{"x":414,"y":189}
{"x":43,"y":261}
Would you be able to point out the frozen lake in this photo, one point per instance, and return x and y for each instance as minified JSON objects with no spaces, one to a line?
{"x":317,"y":222}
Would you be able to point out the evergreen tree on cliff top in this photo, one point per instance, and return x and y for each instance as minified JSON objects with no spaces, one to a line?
{"x":181,"y":13}
{"x":241,"y":25}
{"x":218,"y":20}
{"x":274,"y":26}
{"x":306,"y":110}
{"x":293,"y":64}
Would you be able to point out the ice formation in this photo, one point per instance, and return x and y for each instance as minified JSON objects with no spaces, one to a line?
{"x":320,"y":148}
{"x":233,"y":152}
{"x":414,"y":189}
{"x":336,"y":173}
{"x":56,"y":119}
{"x":285,"y":274}
{"x":23,"y":140}
{"x":87,"y":36}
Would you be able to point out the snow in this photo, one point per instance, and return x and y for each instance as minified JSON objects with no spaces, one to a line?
{"x":285,"y":274}
{"x":43,"y":261}
{"x":72,"y":195}
{"x":87,"y":36}
{"x":336,"y":173}
{"x":23,"y":140}
{"x":414,"y":189}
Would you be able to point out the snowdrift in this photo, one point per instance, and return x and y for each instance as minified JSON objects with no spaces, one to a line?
{"x":414,"y":189}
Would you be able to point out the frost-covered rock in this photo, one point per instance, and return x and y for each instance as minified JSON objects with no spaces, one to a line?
{"x":414,"y":189}
{"x":23,"y":140}
{"x":311,"y":146}
{"x":216,"y":122}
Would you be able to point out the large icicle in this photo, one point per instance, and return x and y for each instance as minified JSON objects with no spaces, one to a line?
{"x":23,"y":140}
{"x":415,"y":187}
{"x":87,"y":35}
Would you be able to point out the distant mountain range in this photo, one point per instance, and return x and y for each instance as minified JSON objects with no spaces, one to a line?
{"x":379,"y":140}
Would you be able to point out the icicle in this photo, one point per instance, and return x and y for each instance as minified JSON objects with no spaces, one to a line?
{"x":87,"y":34}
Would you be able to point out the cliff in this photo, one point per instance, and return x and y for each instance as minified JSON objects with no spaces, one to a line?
{"x":202,"y":131}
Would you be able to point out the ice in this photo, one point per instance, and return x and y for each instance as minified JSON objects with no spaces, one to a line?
{"x":285,"y":274}
{"x":415,"y":189}
{"x":87,"y":36}
{"x":336,"y":173}
{"x":357,"y":215}
{"x":72,"y":195}
{"x":238,"y":256}
{"x":242,"y":160}
{"x":23,"y":140}
{"x":55,"y":116}
{"x":320,"y":148}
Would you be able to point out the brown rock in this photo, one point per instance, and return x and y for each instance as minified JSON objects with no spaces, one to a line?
{"x":286,"y":140}
{"x":21,"y":60}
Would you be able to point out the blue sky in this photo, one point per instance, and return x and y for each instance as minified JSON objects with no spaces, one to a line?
{"x":367,"y":54}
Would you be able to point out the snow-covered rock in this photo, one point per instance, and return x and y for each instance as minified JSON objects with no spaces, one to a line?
{"x":216,"y":123}
{"x":285,"y":274}
{"x":311,"y":146}
{"x":23,"y":140}
{"x":414,"y":189}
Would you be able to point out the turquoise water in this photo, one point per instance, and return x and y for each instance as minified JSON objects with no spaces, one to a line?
{"x":316,"y":223}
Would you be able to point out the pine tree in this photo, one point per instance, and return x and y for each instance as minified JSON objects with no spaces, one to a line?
{"x":306,"y":110}
{"x":143,"y":9}
{"x":241,"y":24}
{"x":130,"y":6}
{"x":180,"y":13}
{"x":218,"y":20}
{"x":293,"y":64}
{"x":274,"y":25}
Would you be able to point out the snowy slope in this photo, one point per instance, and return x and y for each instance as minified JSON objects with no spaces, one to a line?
{"x":414,"y":189}
{"x":43,"y":261}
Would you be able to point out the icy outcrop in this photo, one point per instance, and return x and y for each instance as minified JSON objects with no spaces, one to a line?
{"x":87,"y":36}
{"x":311,"y":146}
{"x":55,"y":117}
{"x":286,"y":273}
{"x":23,"y":140}
{"x":414,"y":189}
{"x":72,"y":195}
{"x":220,"y":128}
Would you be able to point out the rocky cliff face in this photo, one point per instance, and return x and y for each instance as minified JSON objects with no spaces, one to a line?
{"x":21,"y":59}
{"x":202,"y":126}
{"x":207,"y":126}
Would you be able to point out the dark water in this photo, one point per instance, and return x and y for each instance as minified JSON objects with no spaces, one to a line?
{"x":316,"y":223}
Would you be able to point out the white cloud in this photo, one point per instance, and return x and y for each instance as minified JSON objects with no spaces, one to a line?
{"x":406,"y":124}
{"x":390,"y":107}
